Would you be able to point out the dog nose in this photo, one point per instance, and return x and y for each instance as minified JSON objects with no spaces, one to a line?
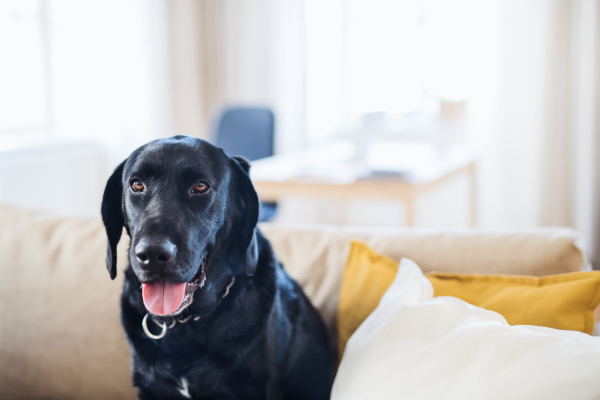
{"x":158,"y":253}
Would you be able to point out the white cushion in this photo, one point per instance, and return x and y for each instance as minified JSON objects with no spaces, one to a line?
{"x":416,"y":347}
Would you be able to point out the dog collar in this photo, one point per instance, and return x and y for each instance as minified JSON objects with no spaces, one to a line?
{"x":166,"y":327}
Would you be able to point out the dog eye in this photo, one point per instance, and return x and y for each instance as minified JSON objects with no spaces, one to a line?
{"x":200,"y":187}
{"x":137,"y":186}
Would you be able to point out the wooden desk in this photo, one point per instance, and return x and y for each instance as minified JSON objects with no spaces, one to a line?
{"x":338,"y":177}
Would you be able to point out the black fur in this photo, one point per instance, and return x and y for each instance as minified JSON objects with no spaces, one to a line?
{"x":264,"y":340}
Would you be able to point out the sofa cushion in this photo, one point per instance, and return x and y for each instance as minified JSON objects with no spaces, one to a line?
{"x":415,"y":346}
{"x":367,"y":276}
{"x":60,"y":336}
{"x":563,"y":301}
{"x":315,"y":255}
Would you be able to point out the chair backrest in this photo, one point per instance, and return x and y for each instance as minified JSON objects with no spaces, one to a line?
{"x":245,"y":131}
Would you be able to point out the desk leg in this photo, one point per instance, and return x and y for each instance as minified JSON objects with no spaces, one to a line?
{"x":473,"y":201}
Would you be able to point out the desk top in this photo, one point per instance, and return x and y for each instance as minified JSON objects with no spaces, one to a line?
{"x":336,"y":164}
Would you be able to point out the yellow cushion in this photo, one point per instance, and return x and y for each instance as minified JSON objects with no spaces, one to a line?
{"x":565,"y":301}
{"x":366,"y":278}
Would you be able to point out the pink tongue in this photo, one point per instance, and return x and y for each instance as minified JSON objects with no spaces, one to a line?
{"x":163,"y":298}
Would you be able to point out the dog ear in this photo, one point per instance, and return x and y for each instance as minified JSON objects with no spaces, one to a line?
{"x":112,"y":216}
{"x":243,"y":162}
{"x":248,"y":206}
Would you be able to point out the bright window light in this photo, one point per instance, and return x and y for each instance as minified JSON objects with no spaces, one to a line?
{"x":23,"y":74}
{"x":383,"y":56}
{"x":362,"y":57}
{"x":392,"y":56}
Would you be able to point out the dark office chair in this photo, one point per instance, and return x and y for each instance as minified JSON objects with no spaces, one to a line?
{"x":248,"y":132}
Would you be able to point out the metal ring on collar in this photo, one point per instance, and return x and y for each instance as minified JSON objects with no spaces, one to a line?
{"x":149,"y":334}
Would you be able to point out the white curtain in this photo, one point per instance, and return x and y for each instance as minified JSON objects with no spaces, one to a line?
{"x":541,"y":166}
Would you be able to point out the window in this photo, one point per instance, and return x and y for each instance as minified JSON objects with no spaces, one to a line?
{"x":390,"y":56}
{"x":24,"y":92}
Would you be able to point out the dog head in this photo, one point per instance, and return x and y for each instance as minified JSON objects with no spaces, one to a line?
{"x":191,"y":212}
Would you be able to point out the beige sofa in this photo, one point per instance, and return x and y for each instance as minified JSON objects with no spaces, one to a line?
{"x":60,"y":336}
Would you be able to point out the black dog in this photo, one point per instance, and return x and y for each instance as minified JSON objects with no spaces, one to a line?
{"x":237,"y":326}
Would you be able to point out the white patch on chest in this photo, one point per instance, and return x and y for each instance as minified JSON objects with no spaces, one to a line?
{"x":184,"y":389}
